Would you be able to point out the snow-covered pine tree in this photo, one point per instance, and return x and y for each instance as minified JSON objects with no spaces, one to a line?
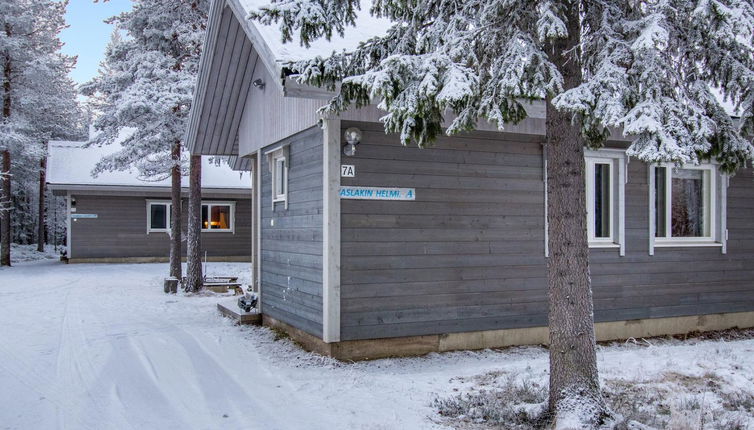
{"x":146,"y":83}
{"x":646,"y":67}
{"x":32,"y":65}
{"x":53,"y":109}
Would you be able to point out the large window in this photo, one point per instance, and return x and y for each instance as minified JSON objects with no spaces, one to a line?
{"x":685,"y":204}
{"x":218,"y":216}
{"x":158,"y":216}
{"x":605,"y":179}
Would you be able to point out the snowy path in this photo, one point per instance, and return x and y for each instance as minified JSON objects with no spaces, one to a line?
{"x":103,"y":348}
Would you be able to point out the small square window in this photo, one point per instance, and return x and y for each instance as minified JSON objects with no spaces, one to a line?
{"x":217,"y":216}
{"x":158,"y":216}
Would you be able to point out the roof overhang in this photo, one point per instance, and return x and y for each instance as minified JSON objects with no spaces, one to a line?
{"x":225,"y":72}
{"x":241,"y":164}
{"x":233,"y":49}
{"x":145,"y":190}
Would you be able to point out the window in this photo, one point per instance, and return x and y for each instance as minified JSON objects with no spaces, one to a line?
{"x":218,"y":216}
{"x":605,"y":179}
{"x":279,"y":178}
{"x":158,"y":216}
{"x":685,"y":204}
{"x":278,"y":161}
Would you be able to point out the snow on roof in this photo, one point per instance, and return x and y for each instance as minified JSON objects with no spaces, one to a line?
{"x":69,"y":163}
{"x":367,"y":26}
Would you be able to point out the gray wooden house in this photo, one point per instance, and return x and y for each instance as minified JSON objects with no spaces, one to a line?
{"x":366,"y":248}
{"x":117,"y":217}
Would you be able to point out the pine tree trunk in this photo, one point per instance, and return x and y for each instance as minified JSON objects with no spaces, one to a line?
{"x":194,"y":280}
{"x":6,"y":200}
{"x":42,"y":188}
{"x":6,"y":204}
{"x":575,"y":395}
{"x":175,"y":213}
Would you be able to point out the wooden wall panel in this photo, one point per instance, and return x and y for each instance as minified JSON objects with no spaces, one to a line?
{"x":468,"y":254}
{"x":120,"y":230}
{"x":291,"y":256}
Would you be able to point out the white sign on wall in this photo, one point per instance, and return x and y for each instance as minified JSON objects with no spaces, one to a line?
{"x":83,"y":216}
{"x":377,"y":193}
{"x":347,"y":170}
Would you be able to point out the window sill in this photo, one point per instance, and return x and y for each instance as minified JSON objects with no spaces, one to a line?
{"x":607,"y":245}
{"x":685,"y":244}
{"x":218,"y":231}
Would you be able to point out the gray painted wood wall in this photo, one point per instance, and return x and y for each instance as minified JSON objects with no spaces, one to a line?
{"x":120,"y":230}
{"x":468,"y":254}
{"x":291,"y":256}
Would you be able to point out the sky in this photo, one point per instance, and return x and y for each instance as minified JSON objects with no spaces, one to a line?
{"x":88,"y":35}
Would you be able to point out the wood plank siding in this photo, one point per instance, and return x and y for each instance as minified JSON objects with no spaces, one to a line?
{"x":120,"y":230}
{"x":269,"y":117}
{"x":291,"y":256}
{"x":468,"y":253}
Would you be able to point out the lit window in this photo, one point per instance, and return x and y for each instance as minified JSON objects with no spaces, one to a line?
{"x":158,"y":216}
{"x":217,"y":216}
{"x":605,"y":179}
{"x":684,"y":203}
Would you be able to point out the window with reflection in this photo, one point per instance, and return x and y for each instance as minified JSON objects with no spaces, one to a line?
{"x":683,"y":202}
{"x":217,"y":216}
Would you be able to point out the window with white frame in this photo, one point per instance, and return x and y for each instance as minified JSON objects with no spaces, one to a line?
{"x":218,"y":216}
{"x":158,"y":216}
{"x":686,"y":204}
{"x":605,"y":195}
{"x":279,"y":177}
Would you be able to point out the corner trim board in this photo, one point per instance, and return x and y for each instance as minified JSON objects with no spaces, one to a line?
{"x":331,"y":231}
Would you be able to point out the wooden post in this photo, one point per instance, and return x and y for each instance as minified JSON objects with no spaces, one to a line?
{"x":331,"y":231}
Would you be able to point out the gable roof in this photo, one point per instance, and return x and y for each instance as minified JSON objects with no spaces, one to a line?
{"x":71,"y":164}
{"x":234,"y":48}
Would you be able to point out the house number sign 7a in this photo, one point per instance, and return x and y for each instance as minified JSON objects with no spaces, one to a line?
{"x":347,"y":170}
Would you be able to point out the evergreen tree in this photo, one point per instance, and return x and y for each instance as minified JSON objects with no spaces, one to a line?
{"x":146,"y":83}
{"x":646,"y":67}
{"x":38,"y":105}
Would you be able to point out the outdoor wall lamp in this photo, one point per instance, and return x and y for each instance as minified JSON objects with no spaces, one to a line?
{"x":353,"y":138}
{"x":258,"y":83}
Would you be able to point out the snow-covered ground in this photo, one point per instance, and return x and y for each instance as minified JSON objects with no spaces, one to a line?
{"x":102,"y":347}
{"x":20,"y":253}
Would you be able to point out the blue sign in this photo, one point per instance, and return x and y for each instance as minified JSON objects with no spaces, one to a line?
{"x":377,"y":193}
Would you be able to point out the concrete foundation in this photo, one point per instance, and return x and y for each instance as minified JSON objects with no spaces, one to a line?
{"x":353,"y":350}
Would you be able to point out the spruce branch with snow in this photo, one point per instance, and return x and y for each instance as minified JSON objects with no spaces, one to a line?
{"x":648,"y":68}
